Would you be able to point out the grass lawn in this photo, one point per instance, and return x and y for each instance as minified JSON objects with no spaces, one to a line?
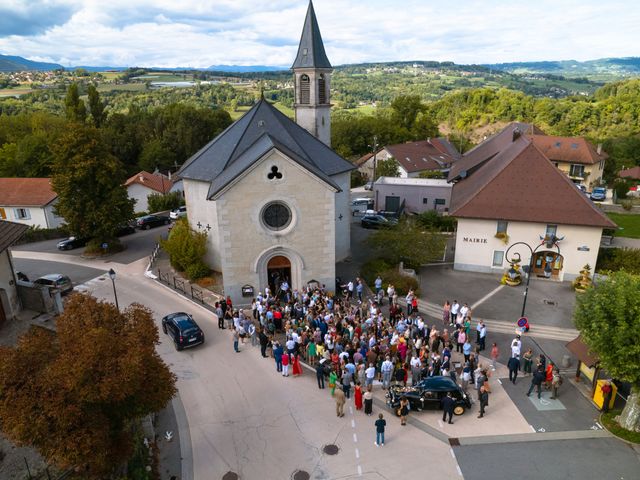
{"x":611,"y":425}
{"x":630,"y":224}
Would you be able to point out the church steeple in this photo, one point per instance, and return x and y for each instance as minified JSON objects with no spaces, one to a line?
{"x":311,"y":52}
{"x":312,"y":71}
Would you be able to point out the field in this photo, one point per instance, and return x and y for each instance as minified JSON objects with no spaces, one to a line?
{"x":629,"y":223}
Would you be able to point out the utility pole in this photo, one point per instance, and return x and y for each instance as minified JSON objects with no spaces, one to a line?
{"x":375,"y":158}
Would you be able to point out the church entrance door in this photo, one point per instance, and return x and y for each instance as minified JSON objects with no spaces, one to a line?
{"x":278,"y":271}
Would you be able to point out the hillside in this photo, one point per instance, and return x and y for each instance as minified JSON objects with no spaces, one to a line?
{"x":9,"y":63}
{"x":613,"y":67}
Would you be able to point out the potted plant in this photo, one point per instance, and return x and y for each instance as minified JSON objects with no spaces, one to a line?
{"x":502,"y":236}
{"x":512,"y":277}
{"x":584,"y":281}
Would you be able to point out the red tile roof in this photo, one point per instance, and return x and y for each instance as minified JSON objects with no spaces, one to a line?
{"x":154,"y":181}
{"x":10,"y":233}
{"x":520,"y":184}
{"x":26,"y":192}
{"x":630,"y":173}
{"x":568,"y":149}
{"x":432,"y":154}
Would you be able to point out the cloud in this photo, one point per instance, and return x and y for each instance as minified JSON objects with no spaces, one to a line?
{"x":18,"y":18}
{"x":199,"y":33}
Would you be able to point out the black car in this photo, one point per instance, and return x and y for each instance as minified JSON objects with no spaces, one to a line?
{"x":377,"y":221}
{"x":183,"y":329}
{"x":125,"y":229}
{"x":71,"y":243}
{"x":149,"y":221}
{"x":428,"y":394}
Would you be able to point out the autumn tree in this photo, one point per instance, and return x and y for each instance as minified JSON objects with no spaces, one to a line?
{"x":606,"y":316}
{"x":75,"y":109}
{"x":75,"y":394}
{"x":89,"y":182}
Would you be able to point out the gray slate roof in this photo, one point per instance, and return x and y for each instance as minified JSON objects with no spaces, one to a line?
{"x":10,"y":233}
{"x":311,"y":43}
{"x":245,"y":141}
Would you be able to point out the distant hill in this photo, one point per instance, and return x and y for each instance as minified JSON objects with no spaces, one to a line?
{"x":9,"y":63}
{"x":245,"y":68}
{"x":611,"y":66}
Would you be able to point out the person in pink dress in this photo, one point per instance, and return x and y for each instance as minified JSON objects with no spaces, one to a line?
{"x":358,"y":396}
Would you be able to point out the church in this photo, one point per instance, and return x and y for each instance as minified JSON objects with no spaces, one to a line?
{"x":270,"y":192}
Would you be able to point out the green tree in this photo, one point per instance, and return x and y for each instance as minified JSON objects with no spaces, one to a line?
{"x":74,"y":106}
{"x":170,"y":201}
{"x":606,"y":316}
{"x":96,"y":106}
{"x":406,"y":109}
{"x":89,"y":182}
{"x":408,"y":242}
{"x":387,"y":168}
{"x":75,"y":393}
{"x":186,"y":249}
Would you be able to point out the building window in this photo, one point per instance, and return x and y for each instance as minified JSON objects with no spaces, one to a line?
{"x":322,"y":89}
{"x":498,"y":257}
{"x":502,"y":226}
{"x":22,"y":213}
{"x":440,"y":201}
{"x":276,"y":216}
{"x":305,"y":90}
{"x":551,"y":231}
{"x":576,"y":171}
{"x":425,"y":201}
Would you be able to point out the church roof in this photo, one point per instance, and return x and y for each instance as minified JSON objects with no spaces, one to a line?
{"x":521,"y":184}
{"x":245,"y":141}
{"x":311,"y":52}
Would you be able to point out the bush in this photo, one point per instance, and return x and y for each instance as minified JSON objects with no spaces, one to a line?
{"x":37,"y":234}
{"x":389,"y":274}
{"x":432,"y":220}
{"x":371,"y":269}
{"x":627,"y":204}
{"x":169,"y":201}
{"x":621,"y":188}
{"x":614,"y":259}
{"x":186,"y":249}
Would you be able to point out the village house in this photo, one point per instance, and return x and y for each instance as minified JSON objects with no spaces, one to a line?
{"x":143,"y":184}
{"x":29,"y":201}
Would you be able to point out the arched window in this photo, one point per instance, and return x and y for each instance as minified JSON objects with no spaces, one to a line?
{"x":322,"y":89}
{"x":305,"y":91}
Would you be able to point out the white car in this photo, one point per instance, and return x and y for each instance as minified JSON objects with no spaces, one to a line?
{"x":178,"y":213}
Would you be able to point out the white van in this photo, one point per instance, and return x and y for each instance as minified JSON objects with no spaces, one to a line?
{"x":361,"y":205}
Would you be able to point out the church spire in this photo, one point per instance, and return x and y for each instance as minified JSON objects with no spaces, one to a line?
{"x":311,"y":52}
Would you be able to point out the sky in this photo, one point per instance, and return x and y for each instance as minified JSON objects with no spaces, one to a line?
{"x":201,"y":33}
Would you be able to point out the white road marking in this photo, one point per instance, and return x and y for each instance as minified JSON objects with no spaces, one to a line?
{"x":353,"y":423}
{"x":440,"y":424}
{"x":359,"y":471}
{"x":532,"y":429}
{"x":599,"y":426}
{"x":351,"y":410}
{"x":541,"y":430}
{"x":357,"y":453}
{"x":500,"y":381}
{"x":459,"y":471}
{"x":453,"y":455}
{"x":487,"y":296}
{"x":355,"y":438}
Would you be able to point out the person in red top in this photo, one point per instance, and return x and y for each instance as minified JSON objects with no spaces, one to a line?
{"x":548,"y":375}
{"x":358,"y":396}
{"x":285,"y":364}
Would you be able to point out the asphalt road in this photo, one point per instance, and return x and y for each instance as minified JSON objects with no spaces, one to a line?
{"x":37,"y":268}
{"x":594,"y":458}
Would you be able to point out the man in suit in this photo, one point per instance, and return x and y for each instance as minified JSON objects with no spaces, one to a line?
{"x":320,"y":374}
{"x":537,"y":380}
{"x":448,"y":403}
{"x":484,"y":400}
{"x":340,"y":401}
{"x":513,"y":365}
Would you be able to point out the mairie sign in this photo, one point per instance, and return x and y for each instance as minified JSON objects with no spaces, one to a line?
{"x":474,"y":240}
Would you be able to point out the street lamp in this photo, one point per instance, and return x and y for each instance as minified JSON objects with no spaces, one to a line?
{"x":374,"y":149}
{"x":112,"y":276}
{"x":547,"y":242}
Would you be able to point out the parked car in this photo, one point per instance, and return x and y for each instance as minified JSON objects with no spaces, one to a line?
{"x":377,"y":221}
{"x":22,"y":276}
{"x":183,"y":329}
{"x":125,"y":229}
{"x":149,"y":221}
{"x":599,"y":194}
{"x":360,"y":205}
{"x":179,"y":212}
{"x":428,"y":394}
{"x":71,"y":243}
{"x":55,"y":280}
{"x":368,"y":186}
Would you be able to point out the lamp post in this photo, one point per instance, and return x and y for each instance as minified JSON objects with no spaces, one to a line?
{"x":112,"y":276}
{"x":374,"y":149}
{"x":547,"y":241}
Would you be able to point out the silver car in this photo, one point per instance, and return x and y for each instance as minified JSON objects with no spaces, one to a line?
{"x":55,"y":280}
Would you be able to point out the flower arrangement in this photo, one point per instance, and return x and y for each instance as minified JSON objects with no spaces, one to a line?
{"x":503,"y":236}
{"x":584,"y":281}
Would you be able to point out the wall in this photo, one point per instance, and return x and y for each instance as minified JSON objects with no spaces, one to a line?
{"x":413,"y":196}
{"x":7,"y":284}
{"x":204,"y":211}
{"x":38,"y":216}
{"x":478,"y":255}
{"x":140,"y":193}
{"x":343,"y":208}
{"x":53,"y":220}
{"x":245,"y":244}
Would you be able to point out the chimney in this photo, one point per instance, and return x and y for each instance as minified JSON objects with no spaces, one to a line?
{"x":599,"y":149}
{"x":516,"y":134}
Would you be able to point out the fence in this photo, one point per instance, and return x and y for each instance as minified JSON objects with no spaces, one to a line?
{"x":154,"y":255}
{"x":189,"y":290}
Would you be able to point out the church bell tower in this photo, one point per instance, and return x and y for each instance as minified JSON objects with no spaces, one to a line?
{"x":312,"y":72}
